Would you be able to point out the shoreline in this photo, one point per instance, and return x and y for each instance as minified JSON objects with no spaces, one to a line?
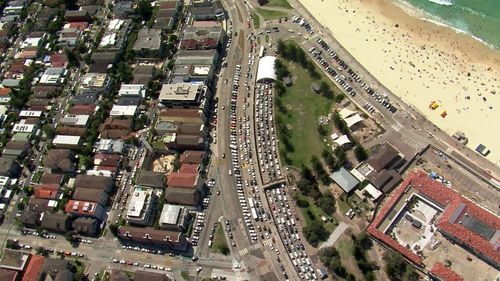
{"x":420,"y":62}
{"x":425,"y":16}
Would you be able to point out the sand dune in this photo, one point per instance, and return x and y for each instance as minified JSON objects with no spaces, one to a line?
{"x":422,"y":62}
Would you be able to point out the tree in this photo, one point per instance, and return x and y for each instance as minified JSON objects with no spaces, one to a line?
{"x":398,"y":269}
{"x":341,"y":156}
{"x":114,"y":229}
{"x":327,"y":202}
{"x":330,"y":258}
{"x":72,"y":58}
{"x":41,"y":251}
{"x":144,"y":10}
{"x":315,"y":232}
{"x":360,"y":152}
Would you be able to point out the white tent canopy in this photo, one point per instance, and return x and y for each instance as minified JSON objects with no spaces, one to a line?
{"x":345,"y":112}
{"x":334,"y":136}
{"x":344,"y":139}
{"x":266,"y":70}
{"x":353,"y":120}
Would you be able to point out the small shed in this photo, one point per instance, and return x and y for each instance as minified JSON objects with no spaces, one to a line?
{"x":287,"y":80}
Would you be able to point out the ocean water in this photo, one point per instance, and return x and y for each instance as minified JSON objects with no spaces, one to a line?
{"x":478,"y":18}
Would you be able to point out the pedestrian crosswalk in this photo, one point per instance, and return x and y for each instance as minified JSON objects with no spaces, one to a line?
{"x":254,"y":247}
{"x":397,"y":127}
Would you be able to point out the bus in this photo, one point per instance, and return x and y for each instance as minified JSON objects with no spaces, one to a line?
{"x":261,"y":52}
{"x":254,"y":214}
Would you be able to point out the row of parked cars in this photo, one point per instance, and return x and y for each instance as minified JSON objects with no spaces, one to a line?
{"x":240,"y":143}
{"x":266,"y":134}
{"x":383,"y":99}
{"x":198,"y":225}
{"x":285,"y":220}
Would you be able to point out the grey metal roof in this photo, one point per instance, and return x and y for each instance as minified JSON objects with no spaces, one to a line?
{"x":344,"y":179}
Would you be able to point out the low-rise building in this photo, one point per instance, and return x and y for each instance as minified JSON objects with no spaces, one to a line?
{"x":94,"y":182}
{"x":173,"y":217}
{"x":65,"y":141}
{"x":75,"y":120}
{"x":198,"y":38}
{"x":185,"y":95}
{"x":110,"y":146}
{"x":9,"y":167}
{"x":59,"y":161}
{"x":140,"y":206}
{"x":87,"y":226}
{"x":173,"y":240}
{"x":94,"y":83}
{"x":56,"y":222}
{"x":151,"y":179}
{"x":85,"y":209}
{"x":115,"y":35}
{"x":149,"y":43}
{"x":123,"y":110}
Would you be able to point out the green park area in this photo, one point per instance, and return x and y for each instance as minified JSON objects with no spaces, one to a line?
{"x":268,"y":14}
{"x":220,"y":243}
{"x":278,"y":4}
{"x":298,"y":111}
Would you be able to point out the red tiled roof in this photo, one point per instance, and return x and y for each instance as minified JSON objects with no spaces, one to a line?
{"x":83,"y":109}
{"x":4,"y":92}
{"x":189,"y":169}
{"x":47,"y":191}
{"x":183,"y":180}
{"x":33,"y":268}
{"x":450,"y":200}
{"x":444,"y":273}
{"x":78,"y":25}
{"x":81,"y":207}
{"x":372,"y":229}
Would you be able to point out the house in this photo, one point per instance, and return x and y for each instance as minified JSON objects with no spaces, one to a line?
{"x":94,"y":182}
{"x":9,"y":167}
{"x":30,"y":219}
{"x":41,"y":205}
{"x":56,"y":222}
{"x":16,"y":149}
{"x":384,"y":164}
{"x":47,"y":191}
{"x":123,"y":9}
{"x":87,"y":226}
{"x":4,"y":95}
{"x":184,"y":142}
{"x":33,"y":270}
{"x":92,"y":195}
{"x":102,"y":61}
{"x":8,"y":275}
{"x":14,"y":260}
{"x":106,"y":159}
{"x":149,"y":43}
{"x":71,"y":131}
{"x":53,"y":76}
{"x":55,"y":179}
{"x":83,"y":109}
{"x":115,"y":128}
{"x":77,"y":16}
{"x":140,"y":206}
{"x":141,"y":275}
{"x":172,"y":240}
{"x":58,"y":269}
{"x":85,"y":209}
{"x":151,"y":179}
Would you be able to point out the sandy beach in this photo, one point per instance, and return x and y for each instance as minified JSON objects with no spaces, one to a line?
{"x":422,"y":62}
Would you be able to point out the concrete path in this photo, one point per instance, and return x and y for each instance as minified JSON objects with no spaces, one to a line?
{"x":335,"y":234}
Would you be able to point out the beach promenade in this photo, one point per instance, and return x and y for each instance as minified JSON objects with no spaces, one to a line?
{"x":420,"y":62}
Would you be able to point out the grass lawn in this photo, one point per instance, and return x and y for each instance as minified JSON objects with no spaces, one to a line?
{"x":303,"y":109}
{"x":317,"y":214}
{"x":278,"y":3}
{"x":343,"y":206}
{"x":220,"y":242}
{"x":266,"y":37}
{"x":271,"y":15}
{"x":344,"y":246}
